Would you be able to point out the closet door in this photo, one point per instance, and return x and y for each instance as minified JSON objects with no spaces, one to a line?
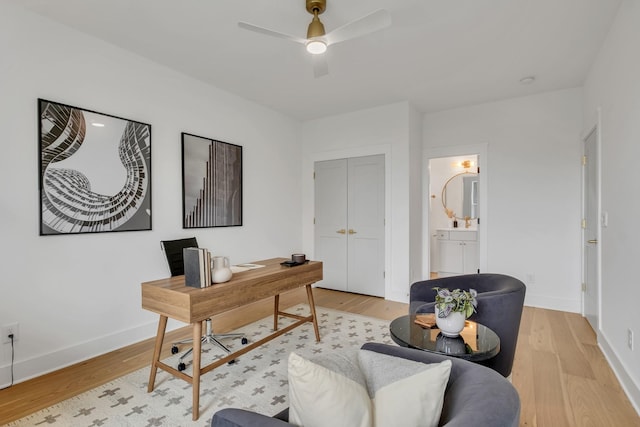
{"x":331,"y":222}
{"x":349,"y":223}
{"x":365,"y":233}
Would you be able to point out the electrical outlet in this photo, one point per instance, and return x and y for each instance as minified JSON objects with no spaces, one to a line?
{"x":530,"y":278}
{"x":630,"y":339}
{"x":8,"y":329}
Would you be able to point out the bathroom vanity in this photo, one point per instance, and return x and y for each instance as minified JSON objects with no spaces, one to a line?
{"x":458,"y":248}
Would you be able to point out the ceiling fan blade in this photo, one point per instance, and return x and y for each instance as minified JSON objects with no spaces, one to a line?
{"x":261,"y":30}
{"x":375,"y":21}
{"x":320,"y":66}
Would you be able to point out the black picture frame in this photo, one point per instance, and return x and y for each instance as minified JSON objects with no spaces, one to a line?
{"x":211,"y":183}
{"x":94,"y":171}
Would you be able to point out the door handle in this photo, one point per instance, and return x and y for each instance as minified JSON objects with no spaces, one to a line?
{"x":351,"y":231}
{"x":592,"y":241}
{"x":341,"y":231}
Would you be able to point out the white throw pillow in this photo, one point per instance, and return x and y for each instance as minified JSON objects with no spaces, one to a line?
{"x":328,"y":392}
{"x":404,"y":393}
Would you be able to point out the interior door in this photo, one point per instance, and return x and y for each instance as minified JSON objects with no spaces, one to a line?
{"x":591,"y":291}
{"x":365,"y":238}
{"x":349,"y":223}
{"x":331,"y":222}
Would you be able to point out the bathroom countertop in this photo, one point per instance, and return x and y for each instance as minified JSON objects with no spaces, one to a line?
{"x":458,"y":229}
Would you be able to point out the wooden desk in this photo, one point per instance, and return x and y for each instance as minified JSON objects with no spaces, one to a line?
{"x":171,"y":298}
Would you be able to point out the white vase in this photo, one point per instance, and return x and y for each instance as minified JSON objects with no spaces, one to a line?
{"x":221,"y":271}
{"x":452,"y":325}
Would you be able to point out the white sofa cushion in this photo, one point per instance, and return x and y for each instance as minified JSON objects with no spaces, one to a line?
{"x":361,"y":388}
{"x":403,"y":392}
{"x":330,"y":391}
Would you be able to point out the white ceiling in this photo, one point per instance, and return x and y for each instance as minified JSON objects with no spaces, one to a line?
{"x":437,"y":54}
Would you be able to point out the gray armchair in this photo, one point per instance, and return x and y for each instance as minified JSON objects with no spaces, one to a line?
{"x":475,"y":396}
{"x":500,"y":302}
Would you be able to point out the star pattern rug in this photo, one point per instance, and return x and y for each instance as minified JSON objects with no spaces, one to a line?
{"x":256,"y":381}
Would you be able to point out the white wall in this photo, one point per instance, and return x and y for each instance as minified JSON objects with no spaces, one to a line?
{"x":613,"y":87}
{"x":383,"y":130}
{"x":533,"y":178}
{"x":76,"y":296}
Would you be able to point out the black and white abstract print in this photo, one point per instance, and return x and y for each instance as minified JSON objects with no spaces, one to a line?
{"x":95,"y":171}
{"x":212,"y":182}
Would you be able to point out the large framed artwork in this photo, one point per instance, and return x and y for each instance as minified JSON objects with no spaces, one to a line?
{"x":95,"y":171}
{"x":211,"y":183}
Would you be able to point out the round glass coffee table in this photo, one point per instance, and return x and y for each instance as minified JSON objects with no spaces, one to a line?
{"x":475,"y":343}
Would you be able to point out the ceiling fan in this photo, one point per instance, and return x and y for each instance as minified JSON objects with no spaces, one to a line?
{"x":318,"y":40}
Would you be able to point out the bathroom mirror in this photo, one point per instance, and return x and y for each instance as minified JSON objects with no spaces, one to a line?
{"x":460,"y":195}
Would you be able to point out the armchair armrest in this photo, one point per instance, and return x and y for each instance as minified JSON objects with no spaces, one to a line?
{"x":423,"y":291}
{"x":232,"y":417}
{"x":421,"y":294}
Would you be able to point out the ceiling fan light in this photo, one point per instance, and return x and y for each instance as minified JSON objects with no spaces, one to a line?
{"x":316,"y":47}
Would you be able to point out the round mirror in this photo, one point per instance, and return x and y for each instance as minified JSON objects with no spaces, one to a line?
{"x":460,"y":196}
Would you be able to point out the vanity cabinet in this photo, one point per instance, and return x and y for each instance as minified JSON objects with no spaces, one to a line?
{"x":458,"y":252}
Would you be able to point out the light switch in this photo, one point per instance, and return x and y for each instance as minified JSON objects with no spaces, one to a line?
{"x":605,"y":219}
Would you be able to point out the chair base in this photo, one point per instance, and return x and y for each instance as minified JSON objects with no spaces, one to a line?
{"x":208,"y":338}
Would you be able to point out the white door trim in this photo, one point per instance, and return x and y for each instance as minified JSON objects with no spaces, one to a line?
{"x":595,"y":125}
{"x":457,"y":150}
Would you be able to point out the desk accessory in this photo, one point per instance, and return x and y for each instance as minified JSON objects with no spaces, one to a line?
{"x":221,"y":270}
{"x":290,"y":263}
{"x":197,"y":270}
{"x":298,"y":258}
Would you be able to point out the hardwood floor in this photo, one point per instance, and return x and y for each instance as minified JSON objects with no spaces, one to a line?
{"x":560,"y":373}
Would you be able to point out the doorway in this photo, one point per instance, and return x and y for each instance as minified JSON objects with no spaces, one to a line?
{"x":454,"y":215}
{"x":465,"y":248}
{"x":591,"y":230}
{"x":349,"y":230}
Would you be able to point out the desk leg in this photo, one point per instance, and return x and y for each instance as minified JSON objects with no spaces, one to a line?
{"x":197,"y":353}
{"x":162,"y":326}
{"x":312,"y":306}
{"x":276,"y":309}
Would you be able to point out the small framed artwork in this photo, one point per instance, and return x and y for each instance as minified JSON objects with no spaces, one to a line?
{"x":95,"y":171}
{"x":211,"y":183}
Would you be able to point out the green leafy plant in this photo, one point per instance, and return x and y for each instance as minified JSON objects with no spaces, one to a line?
{"x":456,"y":300}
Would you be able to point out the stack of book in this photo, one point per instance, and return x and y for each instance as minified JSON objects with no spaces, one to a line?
{"x":197,"y":267}
{"x":427,"y":320}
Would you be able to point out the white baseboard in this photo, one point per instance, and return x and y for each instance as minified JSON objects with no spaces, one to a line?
{"x":628,"y":385}
{"x":48,"y":362}
{"x":550,"y":303}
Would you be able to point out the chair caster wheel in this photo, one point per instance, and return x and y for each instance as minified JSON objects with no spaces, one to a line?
{"x":181,"y":366}
{"x":231,"y":362}
{"x":244,"y":341}
{"x":174,"y":349}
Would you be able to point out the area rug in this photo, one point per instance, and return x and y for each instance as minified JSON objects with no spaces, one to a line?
{"x":256,"y":381}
